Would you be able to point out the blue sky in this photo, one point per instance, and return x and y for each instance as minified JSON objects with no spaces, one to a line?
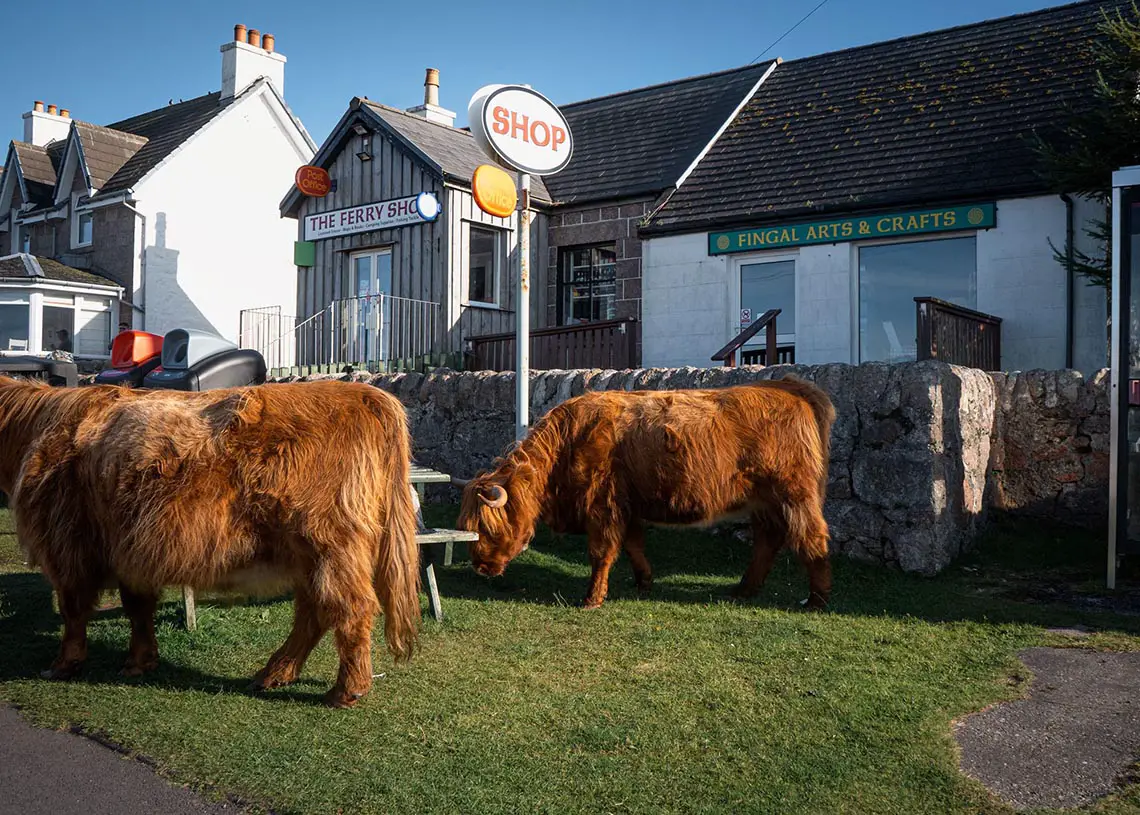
{"x":116,"y":59}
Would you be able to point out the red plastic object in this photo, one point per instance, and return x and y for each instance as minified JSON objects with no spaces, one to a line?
{"x":131,"y":348}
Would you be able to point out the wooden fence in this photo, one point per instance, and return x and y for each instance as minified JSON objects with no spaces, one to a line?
{"x":956,"y":335}
{"x":610,"y":344}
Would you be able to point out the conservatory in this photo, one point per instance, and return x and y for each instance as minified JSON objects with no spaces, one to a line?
{"x":46,"y":306}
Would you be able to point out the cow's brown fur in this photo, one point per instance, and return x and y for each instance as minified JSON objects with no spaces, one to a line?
{"x":302,"y":485}
{"x":607,"y":462}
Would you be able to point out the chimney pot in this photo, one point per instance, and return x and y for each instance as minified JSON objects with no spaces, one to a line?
{"x":431,"y":87}
{"x":51,"y":109}
{"x":255,"y":38}
{"x":65,"y":113}
{"x":267,"y":42}
{"x":239,"y":33}
{"x":38,"y":106}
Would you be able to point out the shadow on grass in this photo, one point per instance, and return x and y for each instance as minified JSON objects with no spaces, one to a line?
{"x":30,"y":636}
{"x":1020,"y":572}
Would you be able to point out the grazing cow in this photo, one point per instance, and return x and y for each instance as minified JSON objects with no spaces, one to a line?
{"x":253,"y":489}
{"x":604,"y":463}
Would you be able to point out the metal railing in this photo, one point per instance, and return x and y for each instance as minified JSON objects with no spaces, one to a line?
{"x":373,"y":332}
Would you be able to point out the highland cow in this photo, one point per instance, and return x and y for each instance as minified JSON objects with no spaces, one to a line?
{"x":606,"y":463}
{"x":301,"y":486}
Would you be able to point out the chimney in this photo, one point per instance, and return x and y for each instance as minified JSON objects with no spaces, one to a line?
{"x":246,"y":58}
{"x":42,"y":127}
{"x":430,"y":109}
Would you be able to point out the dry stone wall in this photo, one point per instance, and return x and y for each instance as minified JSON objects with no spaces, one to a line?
{"x":911,"y":446}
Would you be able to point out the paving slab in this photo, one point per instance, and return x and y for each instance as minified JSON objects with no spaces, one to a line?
{"x":1069,"y":741}
{"x":57,"y":773}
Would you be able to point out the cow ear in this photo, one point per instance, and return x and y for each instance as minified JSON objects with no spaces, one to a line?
{"x":495,"y":497}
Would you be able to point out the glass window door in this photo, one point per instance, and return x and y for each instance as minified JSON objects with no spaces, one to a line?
{"x":766,"y":285}
{"x":372,"y":275}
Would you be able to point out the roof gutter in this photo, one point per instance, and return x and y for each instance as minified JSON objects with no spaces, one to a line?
{"x":117,"y":198}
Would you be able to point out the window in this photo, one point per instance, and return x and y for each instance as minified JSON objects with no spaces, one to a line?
{"x":768,"y":285}
{"x":81,"y":224}
{"x":589,"y":284}
{"x":892,"y":275}
{"x":484,"y":265}
{"x":85,"y":228}
{"x":58,"y":325}
{"x":92,"y":328}
{"x":13,"y":326}
{"x":26,"y":241}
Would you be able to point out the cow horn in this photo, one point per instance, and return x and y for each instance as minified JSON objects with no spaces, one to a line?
{"x":459,"y":482}
{"x":498,"y":497}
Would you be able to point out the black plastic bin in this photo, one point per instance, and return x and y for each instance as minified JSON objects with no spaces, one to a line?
{"x":198,"y":361}
{"x":134,"y":354}
{"x":55,"y":372}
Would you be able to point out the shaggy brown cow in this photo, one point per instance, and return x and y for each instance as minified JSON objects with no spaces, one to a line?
{"x":604,"y":463}
{"x":257,"y":488}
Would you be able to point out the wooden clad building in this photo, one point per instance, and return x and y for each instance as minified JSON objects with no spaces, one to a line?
{"x":399,"y":220}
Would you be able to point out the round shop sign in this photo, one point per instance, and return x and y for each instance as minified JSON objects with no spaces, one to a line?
{"x":521,"y":128}
{"x":427,"y":205}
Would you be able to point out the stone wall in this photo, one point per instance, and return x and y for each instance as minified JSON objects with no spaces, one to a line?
{"x":911,"y":446}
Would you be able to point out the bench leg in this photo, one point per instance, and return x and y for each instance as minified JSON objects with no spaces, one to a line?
{"x":189,"y":608}
{"x":432,"y":591}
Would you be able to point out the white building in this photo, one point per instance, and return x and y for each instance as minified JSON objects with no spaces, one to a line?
{"x":856,"y":181}
{"x":177,"y":205}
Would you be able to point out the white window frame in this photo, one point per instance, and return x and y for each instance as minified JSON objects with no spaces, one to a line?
{"x":76,"y":215}
{"x":732,"y":322}
{"x":856,"y":340}
{"x":25,"y":298}
{"x":502,"y":251}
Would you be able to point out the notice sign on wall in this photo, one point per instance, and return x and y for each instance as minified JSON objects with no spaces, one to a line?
{"x":886,"y":225}
{"x":370,"y":217}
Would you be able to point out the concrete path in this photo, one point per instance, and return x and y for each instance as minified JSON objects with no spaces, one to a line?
{"x":57,"y":773}
{"x":1069,"y":741}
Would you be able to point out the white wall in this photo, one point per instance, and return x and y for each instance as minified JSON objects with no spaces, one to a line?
{"x":216,"y":243}
{"x":689,"y":297}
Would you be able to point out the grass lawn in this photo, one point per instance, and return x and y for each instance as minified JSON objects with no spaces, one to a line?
{"x":521,"y":702}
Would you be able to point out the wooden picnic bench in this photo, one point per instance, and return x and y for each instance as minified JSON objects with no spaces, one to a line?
{"x":431,"y":540}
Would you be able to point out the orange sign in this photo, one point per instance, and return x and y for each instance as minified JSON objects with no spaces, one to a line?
{"x":313,"y":181}
{"x":494,"y":191}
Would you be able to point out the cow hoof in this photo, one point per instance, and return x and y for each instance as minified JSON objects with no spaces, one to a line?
{"x":813,"y":603}
{"x":743,"y":593}
{"x":134,"y":669}
{"x":589,"y":604}
{"x":61,"y":672}
{"x":337,"y":698}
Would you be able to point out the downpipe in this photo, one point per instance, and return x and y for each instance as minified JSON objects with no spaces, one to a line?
{"x":1069,"y":293}
{"x":142,"y":268}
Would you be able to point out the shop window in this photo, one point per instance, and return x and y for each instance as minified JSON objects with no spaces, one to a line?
{"x":892,"y":275}
{"x":14,"y":326}
{"x":484,"y":265}
{"x":589,"y":284}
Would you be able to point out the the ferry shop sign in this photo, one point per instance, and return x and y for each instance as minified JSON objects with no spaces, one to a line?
{"x":414,"y":209}
{"x":887,"y":225}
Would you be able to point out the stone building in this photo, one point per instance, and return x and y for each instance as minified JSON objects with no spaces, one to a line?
{"x":175,"y":205}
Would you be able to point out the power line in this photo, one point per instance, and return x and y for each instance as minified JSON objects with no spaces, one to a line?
{"x":790,"y":30}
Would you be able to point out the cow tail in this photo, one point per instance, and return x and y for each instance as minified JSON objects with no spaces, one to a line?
{"x":824,"y":412}
{"x":397,"y":568}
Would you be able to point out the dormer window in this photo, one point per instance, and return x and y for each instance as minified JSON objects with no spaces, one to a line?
{"x":26,"y":242}
{"x":81,"y":224}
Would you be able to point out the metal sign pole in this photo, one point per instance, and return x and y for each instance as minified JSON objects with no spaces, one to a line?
{"x":522,"y":308}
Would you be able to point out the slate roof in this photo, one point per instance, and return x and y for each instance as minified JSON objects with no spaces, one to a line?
{"x":640,"y":141}
{"x":452,"y":149}
{"x":24,"y":265}
{"x":106,"y":150}
{"x":38,"y":166}
{"x":165,"y":129}
{"x":929,"y":119}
